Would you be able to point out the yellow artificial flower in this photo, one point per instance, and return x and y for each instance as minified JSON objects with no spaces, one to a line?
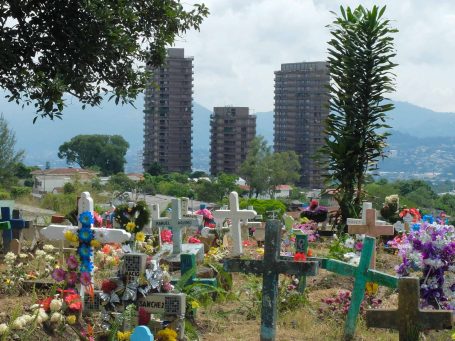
{"x":71,"y":236}
{"x":260,"y":251}
{"x":130,"y":226}
{"x":124,"y":336}
{"x":96,"y":244}
{"x":71,"y":319}
{"x":195,"y":304}
{"x":167,"y":334}
{"x":372,"y":288}
{"x":140,"y":236}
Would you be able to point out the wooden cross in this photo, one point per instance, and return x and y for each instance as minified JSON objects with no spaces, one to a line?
{"x":362,"y":274}
{"x":270,"y":268}
{"x":14,"y":225}
{"x":369,"y":226}
{"x":409,"y":319}
{"x":188,"y":264}
{"x":301,"y":245}
{"x":235,"y":215}
{"x":176,"y":223}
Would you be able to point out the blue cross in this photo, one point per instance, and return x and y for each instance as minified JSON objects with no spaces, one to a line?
{"x":15,"y":224}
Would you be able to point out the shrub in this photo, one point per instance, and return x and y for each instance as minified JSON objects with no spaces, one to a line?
{"x":19,"y":191}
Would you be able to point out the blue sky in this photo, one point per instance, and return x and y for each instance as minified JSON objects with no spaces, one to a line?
{"x":243,"y":42}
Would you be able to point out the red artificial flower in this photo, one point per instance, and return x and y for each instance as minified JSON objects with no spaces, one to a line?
{"x":194,"y":240}
{"x":108,"y":286}
{"x":247,"y":243}
{"x":46,"y":303}
{"x":166,"y":236}
{"x":143,"y":317}
{"x":299,"y":257}
{"x":309,"y":253}
{"x":73,"y":301}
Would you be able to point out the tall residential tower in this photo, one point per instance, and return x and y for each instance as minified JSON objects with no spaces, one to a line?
{"x":168,"y":114}
{"x":232,"y":130}
{"x":301,"y":107}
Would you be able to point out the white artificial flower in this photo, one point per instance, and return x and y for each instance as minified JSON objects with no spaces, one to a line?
{"x":349,"y":243}
{"x":49,"y":258}
{"x":56,"y":317}
{"x":10,"y":257}
{"x":3,"y":328}
{"x":22,"y":255}
{"x":354,"y":261}
{"x":40,"y":253}
{"x":41,"y":316}
{"x":56,"y":304}
{"x":48,"y":248}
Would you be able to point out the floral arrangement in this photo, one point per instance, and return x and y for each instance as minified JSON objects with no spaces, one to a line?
{"x":337,"y":307}
{"x":309,"y":228}
{"x":108,"y":256}
{"x":390,"y":209}
{"x":315,"y":212}
{"x":166,"y":236}
{"x":431,"y":249}
{"x":414,"y":212}
{"x":347,"y":248}
{"x":133,"y":216}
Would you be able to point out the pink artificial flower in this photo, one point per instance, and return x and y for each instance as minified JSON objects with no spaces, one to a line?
{"x":71,"y":278}
{"x":166,"y":236}
{"x":167,"y":287}
{"x":98,"y":220}
{"x":72,"y":262}
{"x":194,"y":240}
{"x":358,"y":246}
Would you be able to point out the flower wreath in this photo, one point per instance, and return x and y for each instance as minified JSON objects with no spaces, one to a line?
{"x":132,"y":219}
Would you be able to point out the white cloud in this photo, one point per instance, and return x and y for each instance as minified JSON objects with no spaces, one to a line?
{"x":243,"y":42}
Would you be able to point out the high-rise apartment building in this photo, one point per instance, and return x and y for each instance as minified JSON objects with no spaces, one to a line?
{"x":168,"y":114}
{"x":232,"y":130}
{"x":301,"y":108}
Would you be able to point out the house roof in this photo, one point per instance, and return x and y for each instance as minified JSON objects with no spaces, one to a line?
{"x":135,"y":176}
{"x":63,"y":171}
{"x":283,"y":188}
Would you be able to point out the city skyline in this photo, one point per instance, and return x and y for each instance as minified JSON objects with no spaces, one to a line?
{"x":252,"y":39}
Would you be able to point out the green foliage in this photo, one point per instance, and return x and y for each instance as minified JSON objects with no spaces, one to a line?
{"x":86,"y":48}
{"x":216,"y":189}
{"x":4,"y":195}
{"x":361,"y":71}
{"x":263,"y":206}
{"x":139,"y":214}
{"x":20,"y":191}
{"x":174,"y":188}
{"x":9,"y":158}
{"x":337,"y":249}
{"x":105,"y":152}
{"x":62,"y":203}
{"x":155,"y":169}
{"x":264,"y":170}
{"x":198,"y":174}
{"x":69,"y":188}
{"x":121,"y":182}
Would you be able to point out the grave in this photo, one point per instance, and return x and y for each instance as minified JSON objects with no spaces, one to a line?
{"x":236,"y":216}
{"x":92,"y":304}
{"x":188,"y":265}
{"x":133,"y":265}
{"x":176,"y":223}
{"x":408,"y":319}
{"x":369,"y":226}
{"x":16,"y":225}
{"x":270,"y":268}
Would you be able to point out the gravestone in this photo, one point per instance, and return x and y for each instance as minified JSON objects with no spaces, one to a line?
{"x":92,"y":304}
{"x":362,"y":274}
{"x":236,"y":216}
{"x":408,"y":319}
{"x":7,"y":235}
{"x":188,"y":264}
{"x":14,"y":232}
{"x":142,"y":333}
{"x":369,"y":226}
{"x":176,"y":223}
{"x":270,"y":268}
{"x":301,"y":246}
{"x":133,"y":265}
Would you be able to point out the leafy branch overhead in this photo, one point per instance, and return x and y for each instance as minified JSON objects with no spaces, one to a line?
{"x":86,"y":48}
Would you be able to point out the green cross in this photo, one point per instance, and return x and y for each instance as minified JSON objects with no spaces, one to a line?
{"x":187,"y":264}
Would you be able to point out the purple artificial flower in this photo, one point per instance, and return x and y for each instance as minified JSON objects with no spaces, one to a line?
{"x":71,"y":278}
{"x":72,"y":262}
{"x":58,"y":275}
{"x":358,"y":246}
{"x":86,"y":278}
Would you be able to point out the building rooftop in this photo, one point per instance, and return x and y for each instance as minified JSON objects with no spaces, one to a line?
{"x":63,"y":171}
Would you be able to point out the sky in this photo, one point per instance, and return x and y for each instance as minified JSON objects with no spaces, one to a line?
{"x":243,"y":42}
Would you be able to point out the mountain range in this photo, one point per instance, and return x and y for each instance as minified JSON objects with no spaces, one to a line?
{"x":412,"y":127}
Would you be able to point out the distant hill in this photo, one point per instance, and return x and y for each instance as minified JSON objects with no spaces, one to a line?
{"x":41,"y":141}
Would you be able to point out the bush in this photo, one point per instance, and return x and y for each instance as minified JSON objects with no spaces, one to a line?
{"x":264,"y":206}
{"x":4,"y":195}
{"x":61,"y":203}
{"x":19,"y":191}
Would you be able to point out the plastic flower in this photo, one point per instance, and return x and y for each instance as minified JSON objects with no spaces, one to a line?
{"x":86,"y":266}
{"x":260,"y":251}
{"x":96,"y":244}
{"x":46,"y":303}
{"x":299,"y":257}
{"x":309,"y":253}
{"x":84,"y":251}
{"x":3,"y":329}
{"x":56,"y":304}
{"x":72,"y":262}
{"x":130,"y":226}
{"x":71,"y":236}
{"x":48,"y":248}
{"x":71,"y":278}
{"x":56,"y":317}
{"x":85,"y":278}
{"x":58,"y":275}
{"x":85,"y":234}
{"x":86,"y":219}
{"x":166,"y":236}
{"x":140,"y":236}
{"x":108,"y":286}
{"x":143,"y":317}
{"x":123,"y":336}
{"x":195,"y":304}
{"x":73,"y":301}
{"x":167,"y":334}
{"x":194,"y":240}
{"x":71,"y":319}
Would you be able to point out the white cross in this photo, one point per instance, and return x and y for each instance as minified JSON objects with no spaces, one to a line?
{"x":103,"y":235}
{"x":235,"y":215}
{"x":176,"y":223}
{"x":365,"y":206}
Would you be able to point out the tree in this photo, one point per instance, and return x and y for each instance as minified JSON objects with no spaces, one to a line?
{"x":120,"y":182}
{"x":105,"y":152}
{"x":361,"y":71}
{"x":86,"y":48}
{"x":253,"y":169}
{"x":8,"y":156}
{"x":155,"y":169}
{"x":283,"y":169}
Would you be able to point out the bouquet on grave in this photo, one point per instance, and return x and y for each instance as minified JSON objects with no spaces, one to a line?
{"x":347,"y":248}
{"x":132,"y":216}
{"x":431,"y":250}
{"x":315,"y":212}
{"x":309,"y":228}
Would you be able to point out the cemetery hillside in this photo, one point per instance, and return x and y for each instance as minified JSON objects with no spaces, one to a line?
{"x":330,"y":218}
